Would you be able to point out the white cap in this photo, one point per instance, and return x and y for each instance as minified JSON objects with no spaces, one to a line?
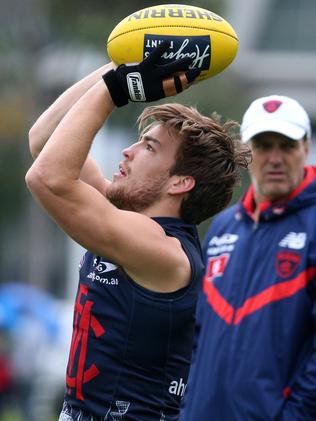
{"x":276,"y":113}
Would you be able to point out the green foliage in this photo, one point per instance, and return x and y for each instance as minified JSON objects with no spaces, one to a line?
{"x":91,"y":21}
{"x":11,"y":180}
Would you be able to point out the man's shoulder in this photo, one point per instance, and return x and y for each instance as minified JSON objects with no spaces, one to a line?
{"x":223,"y":222}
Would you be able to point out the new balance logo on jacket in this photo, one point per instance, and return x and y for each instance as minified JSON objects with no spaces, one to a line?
{"x":294,"y":240}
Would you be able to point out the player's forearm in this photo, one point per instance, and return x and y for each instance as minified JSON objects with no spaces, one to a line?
{"x":64,"y":155}
{"x":44,"y":127}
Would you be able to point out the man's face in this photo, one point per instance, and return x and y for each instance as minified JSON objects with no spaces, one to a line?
{"x":278,"y":165}
{"x":144,"y":172}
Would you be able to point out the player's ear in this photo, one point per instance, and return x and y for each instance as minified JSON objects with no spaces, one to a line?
{"x":181,"y":184}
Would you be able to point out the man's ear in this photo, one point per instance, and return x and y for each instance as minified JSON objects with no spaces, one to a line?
{"x":307,"y":145}
{"x":181,"y":184}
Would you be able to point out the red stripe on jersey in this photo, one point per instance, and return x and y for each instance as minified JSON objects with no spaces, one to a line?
{"x":219,"y":304}
{"x":274,"y":293}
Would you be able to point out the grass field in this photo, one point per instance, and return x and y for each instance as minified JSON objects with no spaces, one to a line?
{"x":13,"y":416}
{"x":10,"y":416}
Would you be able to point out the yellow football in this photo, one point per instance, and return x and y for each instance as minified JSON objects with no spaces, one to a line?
{"x":193,"y":32}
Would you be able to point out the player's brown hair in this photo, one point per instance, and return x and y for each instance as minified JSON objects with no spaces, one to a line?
{"x":211,"y":152}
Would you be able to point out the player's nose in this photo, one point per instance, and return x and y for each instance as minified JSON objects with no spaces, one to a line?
{"x":128,"y":153}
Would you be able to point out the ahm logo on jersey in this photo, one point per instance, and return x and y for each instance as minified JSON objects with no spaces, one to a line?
{"x":177,"y":387}
{"x":294,"y":240}
{"x":198,"y":48}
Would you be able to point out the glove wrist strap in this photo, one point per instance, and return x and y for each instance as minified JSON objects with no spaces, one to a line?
{"x":118,"y":95}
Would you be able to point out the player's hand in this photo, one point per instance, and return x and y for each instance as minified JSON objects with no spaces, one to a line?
{"x":149,"y":81}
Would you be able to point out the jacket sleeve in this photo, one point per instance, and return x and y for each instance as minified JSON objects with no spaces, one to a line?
{"x":301,"y":403}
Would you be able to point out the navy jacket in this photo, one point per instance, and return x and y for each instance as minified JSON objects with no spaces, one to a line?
{"x":256,"y":352}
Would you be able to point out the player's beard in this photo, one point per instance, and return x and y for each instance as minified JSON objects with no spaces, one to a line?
{"x":138,"y":198}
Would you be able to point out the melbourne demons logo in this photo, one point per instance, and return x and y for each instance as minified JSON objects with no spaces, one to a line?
{"x":272,"y":106}
{"x":286,"y":263}
{"x":78,"y":374}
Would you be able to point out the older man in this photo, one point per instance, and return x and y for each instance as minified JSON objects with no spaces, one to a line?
{"x":256,"y":352}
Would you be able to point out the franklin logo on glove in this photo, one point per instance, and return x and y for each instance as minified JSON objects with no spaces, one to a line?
{"x":135,"y":87}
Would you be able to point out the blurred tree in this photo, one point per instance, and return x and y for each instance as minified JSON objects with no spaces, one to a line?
{"x":87,"y":21}
{"x":24,"y":30}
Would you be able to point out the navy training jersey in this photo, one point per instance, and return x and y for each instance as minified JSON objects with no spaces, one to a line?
{"x":131,"y":347}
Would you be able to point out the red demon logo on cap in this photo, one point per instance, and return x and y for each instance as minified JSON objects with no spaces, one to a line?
{"x":271,"y":106}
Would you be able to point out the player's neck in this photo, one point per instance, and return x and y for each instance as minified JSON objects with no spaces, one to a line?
{"x":164,"y":209}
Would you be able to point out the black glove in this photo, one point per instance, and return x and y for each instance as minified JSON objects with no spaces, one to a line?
{"x":149,"y":81}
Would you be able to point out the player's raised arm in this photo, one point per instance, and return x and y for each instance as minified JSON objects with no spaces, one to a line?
{"x":83,"y":213}
{"x":47,"y":122}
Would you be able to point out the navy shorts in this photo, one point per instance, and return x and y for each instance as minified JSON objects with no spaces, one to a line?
{"x":70,"y":414}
